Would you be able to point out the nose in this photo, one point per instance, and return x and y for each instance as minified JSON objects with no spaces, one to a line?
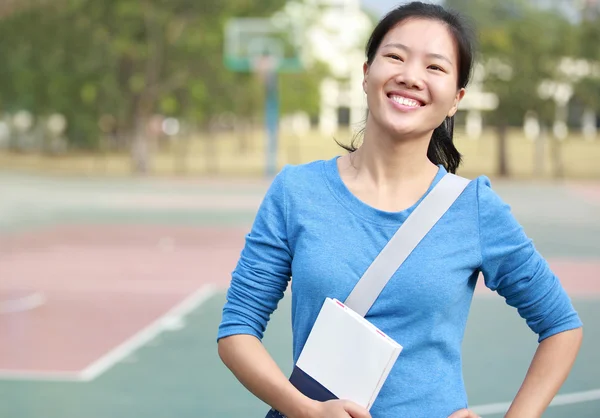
{"x":411,"y":77}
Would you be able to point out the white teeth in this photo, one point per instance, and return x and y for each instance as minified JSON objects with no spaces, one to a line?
{"x":406,"y":102}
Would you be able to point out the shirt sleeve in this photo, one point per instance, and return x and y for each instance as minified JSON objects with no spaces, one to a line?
{"x":513,"y":267}
{"x":263,"y":270}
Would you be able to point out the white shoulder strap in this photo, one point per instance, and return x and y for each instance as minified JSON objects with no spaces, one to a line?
{"x":404,"y":241}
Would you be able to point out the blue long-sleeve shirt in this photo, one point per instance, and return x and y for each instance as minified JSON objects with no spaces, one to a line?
{"x":312,"y":227}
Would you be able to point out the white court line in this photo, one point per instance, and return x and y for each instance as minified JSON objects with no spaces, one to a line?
{"x":172,"y":319}
{"x":147,"y":334}
{"x":25,"y":303}
{"x":48,"y":376}
{"x":566,"y":399}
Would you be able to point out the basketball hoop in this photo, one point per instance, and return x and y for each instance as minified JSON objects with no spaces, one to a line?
{"x":266,"y":49}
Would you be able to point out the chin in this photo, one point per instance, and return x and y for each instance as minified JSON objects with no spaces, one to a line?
{"x":403,"y":126}
{"x":405,"y":131}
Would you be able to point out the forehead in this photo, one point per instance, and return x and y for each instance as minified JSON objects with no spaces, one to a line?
{"x":425,"y":36}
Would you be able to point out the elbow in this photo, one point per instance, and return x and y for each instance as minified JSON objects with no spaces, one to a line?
{"x":576,"y":338}
{"x":230,"y":348}
{"x":572,"y":338}
{"x":578,"y":335}
{"x":223,"y":349}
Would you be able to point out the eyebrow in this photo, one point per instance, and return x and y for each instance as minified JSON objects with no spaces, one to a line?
{"x":432,"y":55}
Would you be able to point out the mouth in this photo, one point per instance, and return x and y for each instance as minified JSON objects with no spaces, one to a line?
{"x":405,"y":102}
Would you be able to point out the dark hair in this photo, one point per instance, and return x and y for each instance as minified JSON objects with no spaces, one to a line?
{"x":441,"y":148}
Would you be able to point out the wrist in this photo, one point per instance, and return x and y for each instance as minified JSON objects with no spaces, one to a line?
{"x":304,"y":408}
{"x":520,"y":411}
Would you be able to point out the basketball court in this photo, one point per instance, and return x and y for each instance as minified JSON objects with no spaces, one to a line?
{"x":111,"y":293}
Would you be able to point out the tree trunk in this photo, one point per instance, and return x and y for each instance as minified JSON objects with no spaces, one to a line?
{"x":589,"y":124}
{"x":182,"y":151}
{"x":210,"y":148}
{"x":540,"y":153}
{"x":140,"y":146}
{"x":243,"y":132}
{"x":502,"y":149}
{"x":557,"y":160}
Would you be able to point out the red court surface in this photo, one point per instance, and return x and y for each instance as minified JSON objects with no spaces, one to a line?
{"x":69,"y":295}
{"x":76,"y":300}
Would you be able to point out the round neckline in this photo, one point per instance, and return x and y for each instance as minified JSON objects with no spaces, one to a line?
{"x":364,"y":210}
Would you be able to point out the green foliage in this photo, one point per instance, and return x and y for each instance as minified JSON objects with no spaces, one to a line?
{"x":486,"y":13}
{"x":532,"y":57}
{"x":300,"y":91}
{"x":133,"y":58}
{"x":129,"y":59}
{"x":588,"y":90}
{"x":528,"y":40}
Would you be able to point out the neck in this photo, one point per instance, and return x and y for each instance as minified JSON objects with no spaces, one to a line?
{"x":384,"y":160}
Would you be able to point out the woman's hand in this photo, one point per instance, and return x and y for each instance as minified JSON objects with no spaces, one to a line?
{"x":464,"y":413}
{"x":339,"y":409}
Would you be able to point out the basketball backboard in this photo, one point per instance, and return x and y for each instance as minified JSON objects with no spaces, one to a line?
{"x":249,"y":40}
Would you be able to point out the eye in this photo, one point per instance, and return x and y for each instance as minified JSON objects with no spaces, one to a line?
{"x":436,"y":68}
{"x":395,"y":57}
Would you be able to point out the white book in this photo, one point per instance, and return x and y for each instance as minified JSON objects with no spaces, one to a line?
{"x":347,"y":354}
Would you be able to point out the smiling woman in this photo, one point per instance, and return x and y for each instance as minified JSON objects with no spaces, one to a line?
{"x":419,"y":75}
{"x":418,"y":64}
{"x":429,"y":54}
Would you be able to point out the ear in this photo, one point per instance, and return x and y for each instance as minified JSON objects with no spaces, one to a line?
{"x":365,"y":74}
{"x":459,"y":95}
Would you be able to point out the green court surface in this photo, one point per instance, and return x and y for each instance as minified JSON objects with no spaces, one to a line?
{"x":133,"y":274}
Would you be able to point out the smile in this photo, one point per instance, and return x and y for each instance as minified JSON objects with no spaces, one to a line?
{"x":405,"y":102}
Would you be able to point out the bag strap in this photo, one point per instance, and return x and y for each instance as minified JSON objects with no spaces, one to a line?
{"x":404,"y":241}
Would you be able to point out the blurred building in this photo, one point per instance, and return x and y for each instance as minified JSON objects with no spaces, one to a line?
{"x":335,"y":33}
{"x":338,"y":38}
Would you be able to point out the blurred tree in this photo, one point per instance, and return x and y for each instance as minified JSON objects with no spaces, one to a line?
{"x":10,"y":7}
{"x":520,"y":46}
{"x":588,"y":89}
{"x":131,"y":59}
{"x":300,"y":91}
{"x":487,"y":13}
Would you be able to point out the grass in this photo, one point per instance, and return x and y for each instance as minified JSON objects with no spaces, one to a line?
{"x":227,"y":156}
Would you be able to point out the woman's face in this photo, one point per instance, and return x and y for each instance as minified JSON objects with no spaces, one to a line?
{"x":411,"y":85}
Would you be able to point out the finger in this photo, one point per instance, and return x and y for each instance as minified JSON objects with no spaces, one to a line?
{"x":464,"y":413}
{"x":356,"y":411}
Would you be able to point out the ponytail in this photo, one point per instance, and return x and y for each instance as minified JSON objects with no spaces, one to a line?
{"x":441,"y":148}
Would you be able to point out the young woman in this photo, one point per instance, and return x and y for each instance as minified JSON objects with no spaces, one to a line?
{"x":325,"y":222}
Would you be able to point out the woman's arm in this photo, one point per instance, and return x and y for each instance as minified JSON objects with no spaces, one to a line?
{"x":257,"y":285}
{"x":549,"y":369}
{"x":512,"y":266}
{"x":252,"y":365}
